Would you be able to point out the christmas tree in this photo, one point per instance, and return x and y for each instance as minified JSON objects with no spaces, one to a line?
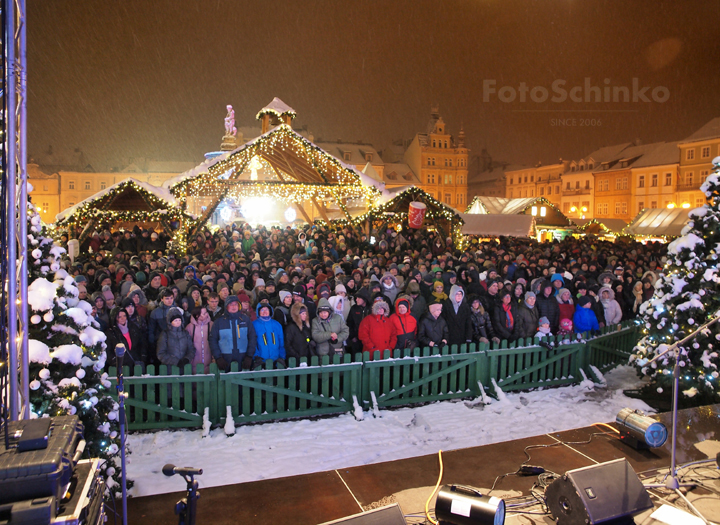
{"x":67,"y":353}
{"x":687,"y":297}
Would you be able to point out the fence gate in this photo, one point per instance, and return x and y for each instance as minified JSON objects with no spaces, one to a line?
{"x":269,"y":394}
{"x":415,"y":376}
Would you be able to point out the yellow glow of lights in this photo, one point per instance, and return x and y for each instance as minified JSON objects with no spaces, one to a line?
{"x":686,"y":205}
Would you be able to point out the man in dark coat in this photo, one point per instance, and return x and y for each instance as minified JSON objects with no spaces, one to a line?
{"x":548,"y":306}
{"x":457,"y":315}
{"x":433,"y":329}
{"x":232,"y":337}
{"x":526,"y":322}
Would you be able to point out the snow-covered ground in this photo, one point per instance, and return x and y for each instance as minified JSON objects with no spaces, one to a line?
{"x":274,"y":450}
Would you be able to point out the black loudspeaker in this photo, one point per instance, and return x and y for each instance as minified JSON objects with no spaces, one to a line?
{"x":606,"y":493}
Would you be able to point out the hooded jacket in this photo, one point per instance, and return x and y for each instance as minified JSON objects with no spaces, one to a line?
{"x":376,"y":330}
{"x":432,"y":329}
{"x":298,"y":335}
{"x":526,"y":320}
{"x":200,"y":333}
{"x":613,"y":311}
{"x":321,"y":331}
{"x":548,"y":307}
{"x":269,"y":335}
{"x":457,"y":316}
{"x":567,"y":310}
{"x":175,"y":344}
{"x":392,"y":292}
{"x":405,"y":325}
{"x":232,"y":337}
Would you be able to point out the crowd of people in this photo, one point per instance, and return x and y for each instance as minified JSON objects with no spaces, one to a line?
{"x":247,"y":295}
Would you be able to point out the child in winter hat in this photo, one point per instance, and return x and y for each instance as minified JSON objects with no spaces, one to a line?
{"x":543,"y":328}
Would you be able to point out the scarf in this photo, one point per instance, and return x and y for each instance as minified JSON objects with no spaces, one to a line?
{"x":509,"y":321}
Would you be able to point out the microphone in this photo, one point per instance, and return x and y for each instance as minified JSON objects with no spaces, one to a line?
{"x":171,"y":469}
{"x":119,"y":355}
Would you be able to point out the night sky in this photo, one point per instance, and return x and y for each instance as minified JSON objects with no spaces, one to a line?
{"x":151,"y":78}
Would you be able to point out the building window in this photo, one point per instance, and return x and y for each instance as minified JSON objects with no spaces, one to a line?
{"x":566,"y":207}
{"x":641,"y":181}
{"x":549,"y":190}
{"x":542,"y":191}
{"x":46,"y":206}
{"x":103,"y":184}
{"x":699,"y":201}
{"x":346,"y":155}
{"x":567,"y":186}
{"x":433,"y":161}
{"x":641,"y":206}
{"x":434,"y":144}
{"x":448,"y":198}
{"x":705,"y":152}
{"x":689,"y":178}
{"x":590,"y":165}
{"x":532,"y":178}
{"x":459,"y":199}
{"x":446,"y":144}
{"x":71,"y":184}
{"x":690,"y":154}
{"x":623,"y":208}
{"x":532,"y":192}
{"x":704,"y":174}
{"x":654,"y":180}
{"x":617,"y":208}
{"x":587,"y":184}
{"x":448,"y":178}
{"x":45,"y":187}
{"x":87,"y":184}
{"x":577,"y":184}
{"x":511,"y":194}
{"x":511,"y":181}
{"x":71,"y":204}
{"x":526,"y":179}
{"x":369,"y":157}
{"x":668,"y":179}
{"x":653,"y":204}
{"x":429,"y":164}
{"x":557,"y":189}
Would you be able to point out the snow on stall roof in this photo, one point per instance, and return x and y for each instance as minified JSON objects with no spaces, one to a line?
{"x":160,"y":192}
{"x":291,"y":448}
{"x":276,"y":106}
{"x":205,"y":166}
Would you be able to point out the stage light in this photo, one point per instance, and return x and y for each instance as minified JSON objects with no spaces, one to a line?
{"x":290,"y":215}
{"x":463,"y":505}
{"x":639,"y":430}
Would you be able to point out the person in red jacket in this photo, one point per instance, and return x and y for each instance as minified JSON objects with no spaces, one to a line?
{"x":404,"y":323}
{"x":376,"y":331}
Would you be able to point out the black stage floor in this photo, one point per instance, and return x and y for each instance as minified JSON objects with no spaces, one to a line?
{"x":316,"y":498}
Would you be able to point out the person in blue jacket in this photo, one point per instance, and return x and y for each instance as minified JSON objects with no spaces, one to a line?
{"x":232,"y":337}
{"x":269,"y":334}
{"x":584,"y":319}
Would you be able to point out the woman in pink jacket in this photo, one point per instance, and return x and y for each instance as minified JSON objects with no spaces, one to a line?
{"x":199,"y":329}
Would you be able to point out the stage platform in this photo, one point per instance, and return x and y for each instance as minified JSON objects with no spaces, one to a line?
{"x":316,"y":498}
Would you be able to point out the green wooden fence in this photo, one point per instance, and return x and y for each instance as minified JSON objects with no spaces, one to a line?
{"x":167,"y":398}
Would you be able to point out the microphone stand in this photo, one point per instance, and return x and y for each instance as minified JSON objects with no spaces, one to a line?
{"x":186,"y":508}
{"x":673,"y":483}
{"x":119,"y":355}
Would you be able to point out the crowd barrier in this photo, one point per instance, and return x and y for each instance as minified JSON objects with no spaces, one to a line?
{"x":163,"y":397}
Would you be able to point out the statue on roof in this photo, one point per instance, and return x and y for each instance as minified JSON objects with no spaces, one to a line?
{"x":230,"y":129}
{"x":229,"y":143}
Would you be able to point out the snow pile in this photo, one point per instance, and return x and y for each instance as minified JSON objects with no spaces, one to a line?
{"x":41,"y":294}
{"x":292,"y":448}
{"x":38,"y":352}
{"x":68,"y":354}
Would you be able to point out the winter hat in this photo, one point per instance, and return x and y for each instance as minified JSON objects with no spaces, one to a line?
{"x":174,"y":313}
{"x":80,"y":279}
{"x":403,"y":301}
{"x":232,"y":299}
{"x":434,"y":307}
{"x":543,"y":320}
{"x":324,"y":305}
{"x":153,"y":235}
{"x":107,"y":293}
{"x":340,"y":288}
{"x":127,"y":302}
{"x":242,"y":298}
{"x":528,"y":295}
{"x":566,"y":324}
{"x":259,"y":282}
{"x":299,"y":290}
{"x":585,"y":299}
{"x":283,"y":294}
{"x":413,"y":288}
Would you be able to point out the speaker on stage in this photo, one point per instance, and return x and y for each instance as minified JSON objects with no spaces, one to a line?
{"x":389,"y":515}
{"x":604,"y":493}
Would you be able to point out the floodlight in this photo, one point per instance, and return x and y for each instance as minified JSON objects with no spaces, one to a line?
{"x":463,"y":505}
{"x":639,"y":430}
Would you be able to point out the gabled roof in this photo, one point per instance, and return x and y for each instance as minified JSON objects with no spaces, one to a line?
{"x":627,"y":157}
{"x":501,"y":205}
{"x":611,"y":225}
{"x":357,"y":152}
{"x":124,"y":196}
{"x":490,"y":225}
{"x":665,"y":153}
{"x":711,"y":130}
{"x":656,"y":222}
{"x":402,"y":171}
{"x":604,"y":154}
{"x":277,"y":107}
